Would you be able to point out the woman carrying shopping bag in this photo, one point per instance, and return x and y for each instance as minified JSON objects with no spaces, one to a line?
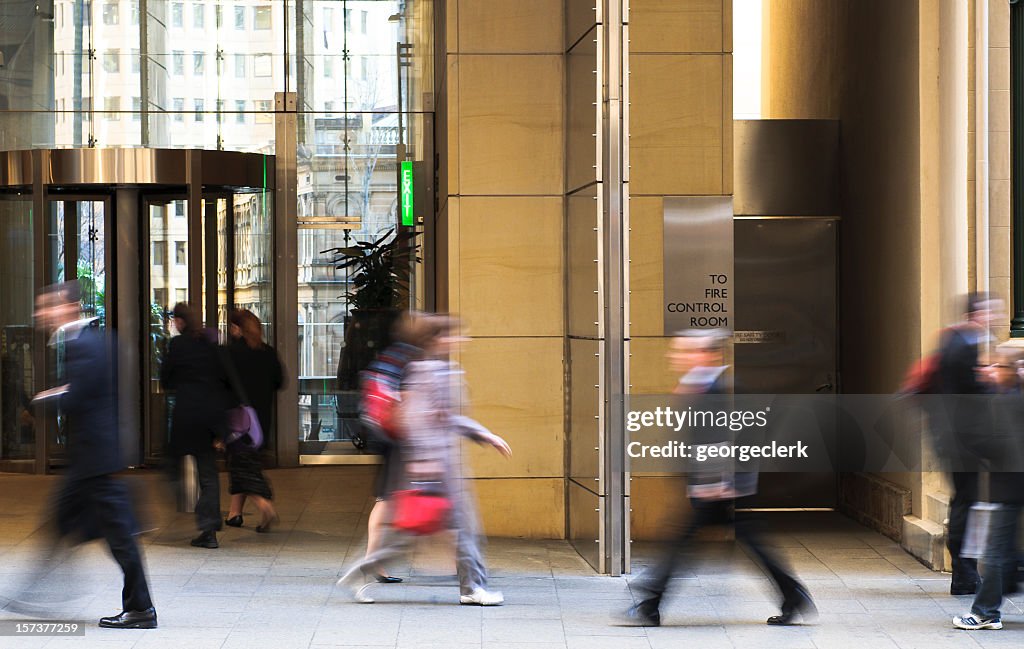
{"x":434,"y":495}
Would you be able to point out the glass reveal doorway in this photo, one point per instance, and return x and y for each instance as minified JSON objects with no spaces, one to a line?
{"x":119,"y":222}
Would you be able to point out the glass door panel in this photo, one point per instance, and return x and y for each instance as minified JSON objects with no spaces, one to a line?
{"x":17,"y":417}
{"x":75,"y":251}
{"x":166,"y":284}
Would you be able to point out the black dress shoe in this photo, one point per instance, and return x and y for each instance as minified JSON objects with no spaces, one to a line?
{"x":234,"y":521}
{"x":131,"y":620}
{"x":643,"y":615}
{"x":388,"y":579}
{"x":206,"y":540}
{"x":798,"y":605}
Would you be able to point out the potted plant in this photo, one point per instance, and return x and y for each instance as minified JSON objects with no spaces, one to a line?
{"x":380,"y":286}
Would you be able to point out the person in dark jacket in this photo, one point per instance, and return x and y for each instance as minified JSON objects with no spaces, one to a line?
{"x":1003,"y":451}
{"x":714,"y":490}
{"x":193,"y":370}
{"x":256,"y":368}
{"x":91,"y":502}
{"x":961,"y":377}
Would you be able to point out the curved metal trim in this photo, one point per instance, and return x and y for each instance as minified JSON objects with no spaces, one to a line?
{"x":137,"y":167}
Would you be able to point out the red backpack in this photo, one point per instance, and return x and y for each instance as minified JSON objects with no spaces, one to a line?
{"x":923,"y":375}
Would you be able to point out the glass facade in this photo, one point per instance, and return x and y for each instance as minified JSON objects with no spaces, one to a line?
{"x":204,"y":74}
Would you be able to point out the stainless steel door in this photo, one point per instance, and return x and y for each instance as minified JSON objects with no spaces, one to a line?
{"x":786,"y":326}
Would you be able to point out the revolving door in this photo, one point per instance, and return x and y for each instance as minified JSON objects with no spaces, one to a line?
{"x":141,"y":230}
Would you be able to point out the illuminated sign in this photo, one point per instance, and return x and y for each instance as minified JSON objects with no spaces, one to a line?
{"x":407,"y":206}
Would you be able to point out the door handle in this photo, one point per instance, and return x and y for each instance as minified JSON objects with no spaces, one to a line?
{"x":823,"y":387}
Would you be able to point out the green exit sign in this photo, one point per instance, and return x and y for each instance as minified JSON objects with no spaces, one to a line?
{"x":407,"y":206}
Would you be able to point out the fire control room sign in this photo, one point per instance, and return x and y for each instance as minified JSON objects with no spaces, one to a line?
{"x":698,"y":263}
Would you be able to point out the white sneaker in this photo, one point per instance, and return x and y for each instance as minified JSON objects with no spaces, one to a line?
{"x":350,"y":581}
{"x":361,"y":595}
{"x":481,"y":597}
{"x":972,"y":622}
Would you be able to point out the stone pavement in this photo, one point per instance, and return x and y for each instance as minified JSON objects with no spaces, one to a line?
{"x":277,"y":590}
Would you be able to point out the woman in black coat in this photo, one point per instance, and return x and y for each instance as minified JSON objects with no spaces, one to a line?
{"x":192,"y":369}
{"x":258,"y":371}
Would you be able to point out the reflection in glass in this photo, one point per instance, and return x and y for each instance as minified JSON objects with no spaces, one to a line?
{"x":17,"y":418}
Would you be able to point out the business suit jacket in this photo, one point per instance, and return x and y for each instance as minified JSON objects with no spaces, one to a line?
{"x":90,"y":403}
{"x":193,"y":370}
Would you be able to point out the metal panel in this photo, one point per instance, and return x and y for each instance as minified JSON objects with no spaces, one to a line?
{"x":580,"y":17}
{"x":585,"y":529}
{"x":129,"y":373}
{"x":786,"y":298}
{"x":786,"y":167}
{"x":286,"y":298}
{"x":614,"y":235}
{"x":583,"y":265}
{"x":583,"y":112}
{"x":121,"y":167}
{"x":585,"y":411}
{"x":698,"y":270}
{"x":16,"y":168}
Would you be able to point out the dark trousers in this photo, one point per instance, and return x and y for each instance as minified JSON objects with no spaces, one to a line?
{"x":1000,"y":562}
{"x":710,"y":512}
{"x":965,"y":494}
{"x":208,"y":514}
{"x":102,"y":508}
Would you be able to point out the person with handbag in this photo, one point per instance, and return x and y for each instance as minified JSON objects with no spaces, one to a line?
{"x":193,"y":371}
{"x":255,"y":373}
{"x":435,"y":495}
{"x":1002,"y":450}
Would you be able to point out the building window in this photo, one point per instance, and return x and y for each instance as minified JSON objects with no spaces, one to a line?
{"x":261,"y":65}
{"x":134,"y":8}
{"x":329,"y":106}
{"x":86,"y":13}
{"x":179,"y":109}
{"x":112,"y":61}
{"x":198,"y":16}
{"x":328,"y":67}
{"x":239,"y":17}
{"x":136,"y":109}
{"x":178,"y":62}
{"x":112,"y":107}
{"x":218,"y":15}
{"x":159,"y":294}
{"x":158,"y":254}
{"x":180,"y":256}
{"x":240,"y":66}
{"x":199,"y":106}
{"x":362,"y":21}
{"x":136,"y":64}
{"x":264,"y":111}
{"x":328,"y":18}
{"x":110,"y":15}
{"x":198,"y":63}
{"x":179,"y":209}
{"x":240,"y":107}
{"x":178,"y":14}
{"x":220,"y":111}
{"x":348,"y":18}
{"x":261,"y":17}
{"x":181,"y":294}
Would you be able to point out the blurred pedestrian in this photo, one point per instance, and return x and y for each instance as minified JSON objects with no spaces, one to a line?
{"x":193,"y":370}
{"x":256,"y":369}
{"x":389,"y":366}
{"x":91,"y":503}
{"x":429,"y":452}
{"x":1003,"y":452}
{"x":967,"y":416}
{"x":714,"y":491}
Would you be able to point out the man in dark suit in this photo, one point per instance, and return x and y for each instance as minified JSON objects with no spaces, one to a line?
{"x":960,"y":374}
{"x":714,"y":489}
{"x":91,"y":502}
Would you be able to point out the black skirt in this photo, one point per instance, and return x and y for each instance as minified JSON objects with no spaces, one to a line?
{"x":246,"y":471}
